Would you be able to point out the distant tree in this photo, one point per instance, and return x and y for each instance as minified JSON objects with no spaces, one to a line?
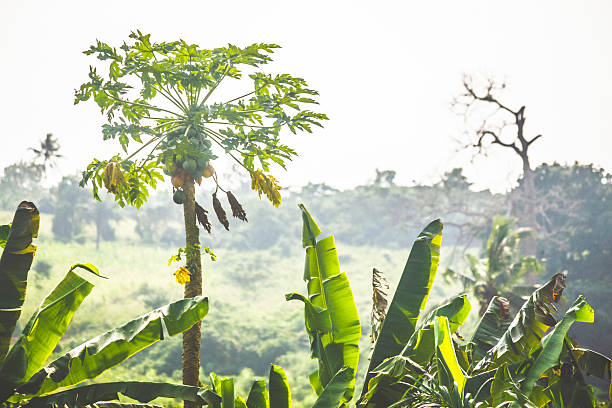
{"x":498,"y":124}
{"x":574,"y":213}
{"x":19,"y":180}
{"x":47,"y":153}
{"x":467,"y":214}
{"x":23,"y":179}
{"x":317,"y":189}
{"x":385,"y":178}
{"x":70,"y":203}
{"x":102,"y":213}
{"x":501,"y":270}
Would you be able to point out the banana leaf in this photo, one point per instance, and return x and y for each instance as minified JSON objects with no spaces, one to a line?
{"x":448,"y":366}
{"x":331,"y":317}
{"x":506,"y":392}
{"x":46,"y":327}
{"x":391,"y":380}
{"x":239,"y":402}
{"x":97,"y":355}
{"x":123,"y":405}
{"x":279,"y":393}
{"x":593,"y":363}
{"x":552,"y":343}
{"x":137,"y":390}
{"x":421,"y":346}
{"x":492,"y":325}
{"x":225,"y":388}
{"x":5,"y":230}
{"x":331,"y":396}
{"x":258,"y":395}
{"x":410,"y":297}
{"x":15,"y":263}
{"x":524,"y":334}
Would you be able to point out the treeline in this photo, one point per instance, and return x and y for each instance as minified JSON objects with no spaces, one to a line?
{"x":573,"y":207}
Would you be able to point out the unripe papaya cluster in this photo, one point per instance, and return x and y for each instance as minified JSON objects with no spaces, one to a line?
{"x":182,"y":169}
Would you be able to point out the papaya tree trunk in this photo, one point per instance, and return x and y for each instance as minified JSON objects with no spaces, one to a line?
{"x":192,"y":337}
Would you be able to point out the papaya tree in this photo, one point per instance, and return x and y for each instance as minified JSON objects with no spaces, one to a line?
{"x":161,"y":98}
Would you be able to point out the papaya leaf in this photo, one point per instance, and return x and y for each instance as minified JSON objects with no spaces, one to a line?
{"x":97,"y":355}
{"x":15,"y":263}
{"x":137,"y":390}
{"x":330,"y":311}
{"x":410,"y":297}
{"x":46,"y":327}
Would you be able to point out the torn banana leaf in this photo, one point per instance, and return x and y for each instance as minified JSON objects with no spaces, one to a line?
{"x":331,"y":317}
{"x":46,"y":327}
{"x":138,"y":390}
{"x":410,"y":297}
{"x":15,"y":264}
{"x":492,"y":325}
{"x":97,"y":355}
{"x":524,"y":334}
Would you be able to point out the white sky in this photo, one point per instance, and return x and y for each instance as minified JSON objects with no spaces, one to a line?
{"x":386,"y":72}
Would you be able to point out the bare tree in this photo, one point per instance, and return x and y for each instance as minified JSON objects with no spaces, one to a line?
{"x":500,"y":125}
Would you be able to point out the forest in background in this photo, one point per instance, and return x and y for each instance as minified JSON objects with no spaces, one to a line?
{"x":259,"y":261}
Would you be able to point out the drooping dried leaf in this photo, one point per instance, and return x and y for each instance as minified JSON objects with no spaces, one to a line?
{"x":504,"y":307}
{"x":379,"y":302}
{"x":113,"y":177}
{"x":202,"y":216}
{"x":237,"y":210}
{"x":220,"y":212}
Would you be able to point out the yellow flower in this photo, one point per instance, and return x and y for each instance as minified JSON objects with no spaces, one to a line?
{"x":182,"y":275}
{"x":265,"y":183}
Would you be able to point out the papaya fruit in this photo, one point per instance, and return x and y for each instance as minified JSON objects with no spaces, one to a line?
{"x":179,"y":197}
{"x":208,"y":171}
{"x":190,"y":166}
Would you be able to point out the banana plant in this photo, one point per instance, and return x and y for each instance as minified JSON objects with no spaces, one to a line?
{"x":410,"y":297}
{"x":500,"y":271}
{"x":278,"y":393}
{"x":527,"y":361}
{"x":330,"y":316}
{"x":25,"y":376}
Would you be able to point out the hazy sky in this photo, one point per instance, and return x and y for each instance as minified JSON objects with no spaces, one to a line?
{"x":386,"y":72}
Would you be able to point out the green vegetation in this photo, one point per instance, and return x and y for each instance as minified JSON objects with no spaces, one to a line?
{"x":159,"y":96}
{"x":24,"y":374}
{"x":417,"y":359}
{"x":503,"y":269}
{"x":523,"y":368}
{"x":171,"y":105}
